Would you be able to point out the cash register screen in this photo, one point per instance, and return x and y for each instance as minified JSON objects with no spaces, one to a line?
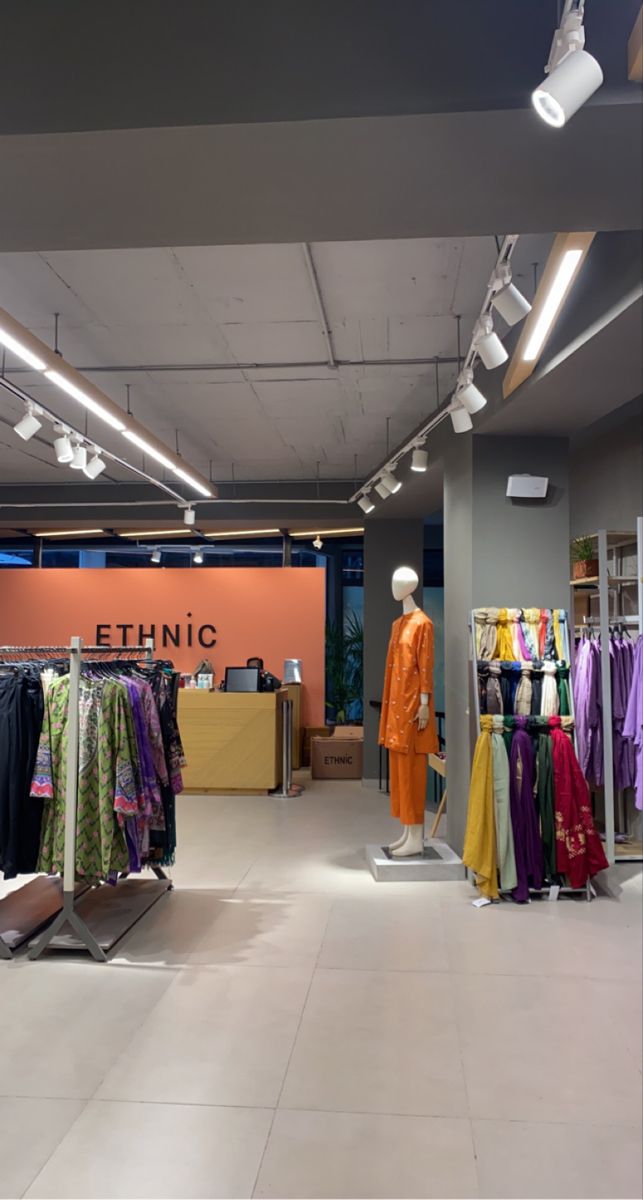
{"x":242,"y":679}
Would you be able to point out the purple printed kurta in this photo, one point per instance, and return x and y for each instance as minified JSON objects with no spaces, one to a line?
{"x":633,"y":724}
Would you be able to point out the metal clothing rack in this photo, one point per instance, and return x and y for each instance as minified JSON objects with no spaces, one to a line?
{"x":554,"y":890}
{"x":25,"y":911}
{"x":92,"y":918}
{"x":604,"y":621}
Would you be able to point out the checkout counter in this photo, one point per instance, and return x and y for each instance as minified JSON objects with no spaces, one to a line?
{"x":232,"y":740}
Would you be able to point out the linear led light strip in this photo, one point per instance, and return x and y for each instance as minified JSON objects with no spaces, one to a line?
{"x":52,"y":533}
{"x":563,"y":264}
{"x":308,"y":533}
{"x":32,"y":351}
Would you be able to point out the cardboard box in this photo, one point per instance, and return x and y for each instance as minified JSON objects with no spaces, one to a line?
{"x":310,"y":732}
{"x":337,"y":758}
{"x":349,"y":731}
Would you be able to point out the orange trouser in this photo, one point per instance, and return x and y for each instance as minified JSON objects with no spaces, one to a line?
{"x":408,"y":786}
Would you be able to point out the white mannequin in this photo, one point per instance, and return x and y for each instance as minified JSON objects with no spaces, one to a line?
{"x":403,"y":584}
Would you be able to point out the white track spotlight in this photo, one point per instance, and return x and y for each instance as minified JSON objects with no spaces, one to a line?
{"x":570,"y":84}
{"x":573,"y":75}
{"x":419,"y":459}
{"x":460,"y":419}
{"x":508,"y":301}
{"x":382,"y":490}
{"x":79,"y":457}
{"x":318,"y":543}
{"x":197,"y":557}
{"x":467,"y":394}
{"x":62,"y":445}
{"x":27,"y":425}
{"x":189,"y":516}
{"x":95,"y":466}
{"x":391,"y":482}
{"x":156,"y":555}
{"x":365,"y":503}
{"x":488,"y":345}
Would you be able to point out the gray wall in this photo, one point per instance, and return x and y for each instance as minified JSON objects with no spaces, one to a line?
{"x":521,"y":548}
{"x":606,"y":472}
{"x":387,"y":545}
{"x":495,"y":552}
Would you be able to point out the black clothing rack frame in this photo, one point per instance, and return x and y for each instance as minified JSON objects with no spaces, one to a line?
{"x":90,"y":918}
{"x":552,"y":890}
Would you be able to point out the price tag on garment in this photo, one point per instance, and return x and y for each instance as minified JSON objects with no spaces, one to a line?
{"x":554,"y":891}
{"x":480,"y":902}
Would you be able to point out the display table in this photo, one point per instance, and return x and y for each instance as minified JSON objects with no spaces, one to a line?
{"x":232,"y":740}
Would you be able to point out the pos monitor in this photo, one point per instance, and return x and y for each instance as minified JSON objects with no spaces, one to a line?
{"x":242,"y":679}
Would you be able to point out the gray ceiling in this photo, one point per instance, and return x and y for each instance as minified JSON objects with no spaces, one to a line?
{"x":390,"y":303}
{"x":123,"y":65}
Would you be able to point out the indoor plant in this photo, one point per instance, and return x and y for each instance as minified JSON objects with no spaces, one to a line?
{"x":345,"y":671}
{"x":584,"y":560}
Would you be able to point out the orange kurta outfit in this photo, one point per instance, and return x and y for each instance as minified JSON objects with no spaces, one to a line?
{"x":409,"y":672}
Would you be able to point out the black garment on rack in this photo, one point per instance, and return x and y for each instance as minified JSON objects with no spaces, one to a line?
{"x":536,"y":687}
{"x":21,"y":713}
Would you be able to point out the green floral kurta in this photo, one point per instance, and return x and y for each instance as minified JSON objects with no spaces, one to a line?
{"x":108,"y":769}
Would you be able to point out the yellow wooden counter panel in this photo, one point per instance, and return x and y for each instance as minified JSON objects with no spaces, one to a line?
{"x":232,"y":740}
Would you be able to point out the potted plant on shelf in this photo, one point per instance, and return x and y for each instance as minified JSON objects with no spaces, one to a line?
{"x":584,"y":560}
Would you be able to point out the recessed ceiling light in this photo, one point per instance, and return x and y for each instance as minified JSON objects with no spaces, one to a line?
{"x":150,"y":533}
{"x":243,"y":533}
{"x":309,"y":533}
{"x":62,"y":533}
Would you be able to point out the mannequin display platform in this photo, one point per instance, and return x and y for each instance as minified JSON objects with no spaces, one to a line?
{"x":407,"y":726}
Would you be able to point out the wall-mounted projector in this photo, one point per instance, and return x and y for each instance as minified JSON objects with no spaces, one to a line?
{"x":527,"y":487}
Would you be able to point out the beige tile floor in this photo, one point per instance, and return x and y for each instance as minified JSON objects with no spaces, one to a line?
{"x":282,"y":1026}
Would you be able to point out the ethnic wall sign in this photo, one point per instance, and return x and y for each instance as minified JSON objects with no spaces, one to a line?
{"x":226,"y":614}
{"x":174,"y":636}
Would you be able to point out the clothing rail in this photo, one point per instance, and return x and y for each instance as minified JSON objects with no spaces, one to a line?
{"x":24,"y":912}
{"x":101,"y":907}
{"x":554,"y":890}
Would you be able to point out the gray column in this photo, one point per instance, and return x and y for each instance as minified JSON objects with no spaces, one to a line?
{"x":496,"y":552}
{"x":520,"y":547}
{"x":458,"y":567}
{"x":387,"y":545}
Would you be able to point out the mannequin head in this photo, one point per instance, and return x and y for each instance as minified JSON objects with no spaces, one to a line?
{"x":404,"y":583}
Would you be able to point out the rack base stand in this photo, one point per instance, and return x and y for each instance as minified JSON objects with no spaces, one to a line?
{"x":26,"y":911}
{"x":438,"y":863}
{"x":101,"y":917}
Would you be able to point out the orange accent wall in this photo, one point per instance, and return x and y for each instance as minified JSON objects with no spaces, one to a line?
{"x":273,"y":612}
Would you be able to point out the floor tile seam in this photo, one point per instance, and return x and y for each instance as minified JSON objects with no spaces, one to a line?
{"x":55,"y":1149}
{"x":137,"y":1029}
{"x":181,"y":1103}
{"x":542,"y":975}
{"x":292,"y":1051}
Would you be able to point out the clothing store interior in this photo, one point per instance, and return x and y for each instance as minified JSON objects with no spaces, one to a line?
{"x":321,"y":599}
